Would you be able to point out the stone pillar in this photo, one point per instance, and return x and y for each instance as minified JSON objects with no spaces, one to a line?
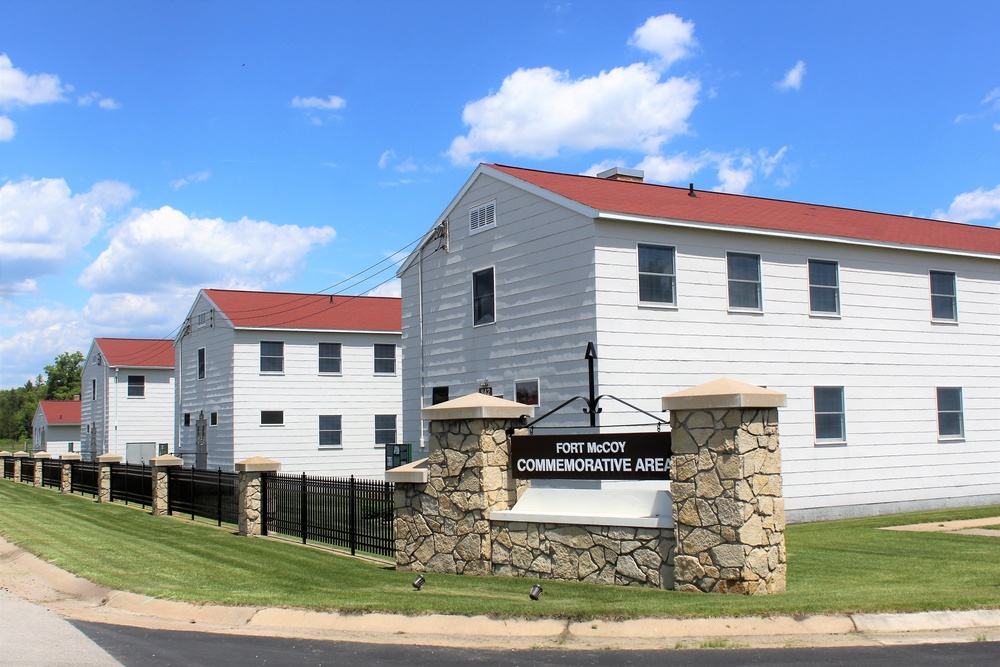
{"x":18,"y":457}
{"x":249,"y":504}
{"x":105,"y":461}
{"x":442,"y":522}
{"x":66,"y":485}
{"x":39,"y":457}
{"x":4,"y":455}
{"x":161,"y":484}
{"x":725,"y":469}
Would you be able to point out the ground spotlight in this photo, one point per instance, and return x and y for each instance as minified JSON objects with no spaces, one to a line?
{"x":418,"y":582}
{"x":536,"y":592}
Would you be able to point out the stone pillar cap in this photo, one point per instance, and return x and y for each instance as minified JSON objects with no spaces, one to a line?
{"x":5,"y":453}
{"x":478,"y":406}
{"x":412,"y":473}
{"x":110,"y":458}
{"x":22,"y":455}
{"x":166,"y":461}
{"x":258,"y":464}
{"x":723,"y":393}
{"x":69,"y":456}
{"x":42,"y":455}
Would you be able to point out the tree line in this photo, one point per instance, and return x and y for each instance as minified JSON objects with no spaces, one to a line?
{"x":62,"y":382}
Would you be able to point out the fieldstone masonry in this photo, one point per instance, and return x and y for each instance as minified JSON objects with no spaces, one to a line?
{"x":728,"y":509}
{"x":250,"y":501}
{"x":66,"y":484}
{"x":39,"y":457}
{"x":105,"y":461}
{"x":161,"y":484}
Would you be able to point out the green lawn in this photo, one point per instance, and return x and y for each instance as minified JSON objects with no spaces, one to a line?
{"x":840,"y":566}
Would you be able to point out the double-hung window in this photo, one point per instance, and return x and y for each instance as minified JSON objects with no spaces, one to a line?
{"x":272,"y":356}
{"x":949,"y":407}
{"x":744,"y":281}
{"x":385,"y":430}
{"x":944,"y":300}
{"x":136,"y":386}
{"x":830,"y":419}
{"x":329,"y":357}
{"x":824,"y":287}
{"x":385,"y":359}
{"x":483,"y":297}
{"x":330,"y":432}
{"x":657,"y":275}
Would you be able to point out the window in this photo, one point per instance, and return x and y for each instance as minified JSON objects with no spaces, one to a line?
{"x":136,"y":386}
{"x":483,"y":304}
{"x":657,"y":276}
{"x":187,"y":418}
{"x":93,"y":390}
{"x":329,"y":357}
{"x":482,"y":217}
{"x":949,"y":406}
{"x":944,"y":302}
{"x":824,"y":287}
{"x":744,"y":281}
{"x":213,"y":419}
{"x":385,"y":429}
{"x":272,"y":417}
{"x":330,"y":431}
{"x":830,"y":422}
{"x":439,"y":395}
{"x":272,"y":356}
{"x":203,"y":319}
{"x":385,"y":358}
{"x":526,"y":392}
{"x":201,"y":363}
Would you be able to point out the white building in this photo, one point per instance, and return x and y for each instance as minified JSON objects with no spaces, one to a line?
{"x":56,"y":427}
{"x":883,"y":330}
{"x":127,"y":405}
{"x":312,"y":381}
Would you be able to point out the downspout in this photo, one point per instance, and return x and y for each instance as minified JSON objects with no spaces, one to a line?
{"x":420,"y":320}
{"x":117,"y":389}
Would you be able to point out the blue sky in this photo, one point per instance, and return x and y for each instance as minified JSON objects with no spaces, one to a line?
{"x":149,"y":149}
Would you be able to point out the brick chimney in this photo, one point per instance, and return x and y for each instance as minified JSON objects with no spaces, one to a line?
{"x":622,"y":174}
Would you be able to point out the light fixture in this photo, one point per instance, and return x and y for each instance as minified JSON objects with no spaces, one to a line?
{"x":536,"y":592}
{"x":418,"y":582}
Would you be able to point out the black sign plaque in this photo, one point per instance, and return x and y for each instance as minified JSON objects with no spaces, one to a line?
{"x":591,"y":456}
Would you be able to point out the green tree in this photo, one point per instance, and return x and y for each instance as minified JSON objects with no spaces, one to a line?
{"x":17,"y":410}
{"x":64,"y":377}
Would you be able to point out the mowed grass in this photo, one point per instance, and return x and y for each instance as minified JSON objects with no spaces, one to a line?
{"x":838,"y":566}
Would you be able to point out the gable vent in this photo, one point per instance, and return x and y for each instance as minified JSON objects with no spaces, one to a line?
{"x":482,"y":217}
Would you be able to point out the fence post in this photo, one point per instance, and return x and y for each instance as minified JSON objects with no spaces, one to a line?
{"x":66,"y":482}
{"x":161,"y":481}
{"x":18,"y":457}
{"x":105,"y":461}
{"x":39,"y":469}
{"x":249,"y":508}
{"x":354,"y":515}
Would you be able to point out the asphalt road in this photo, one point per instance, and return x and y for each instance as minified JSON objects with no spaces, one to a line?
{"x":137,"y":647}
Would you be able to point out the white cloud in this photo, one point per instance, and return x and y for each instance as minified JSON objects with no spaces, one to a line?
{"x":979,"y":204}
{"x":793,"y":78}
{"x":103,"y":102}
{"x":390,"y":288}
{"x":668,"y":36}
{"x":20,"y":89}
{"x":7,"y":128}
{"x":676,"y":169}
{"x":993,"y":98}
{"x":31,"y":339}
{"x":166,"y":251}
{"x":540,"y":112}
{"x":43,"y":226}
{"x":386,"y":158}
{"x":197,"y":177}
{"x":330,"y":103}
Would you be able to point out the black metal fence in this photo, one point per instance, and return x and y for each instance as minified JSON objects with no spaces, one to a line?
{"x":28,"y":471}
{"x":132,"y":483}
{"x":8,"y":467}
{"x":205,"y":493}
{"x":346,"y":512}
{"x":51,"y":473}
{"x":85,"y":477}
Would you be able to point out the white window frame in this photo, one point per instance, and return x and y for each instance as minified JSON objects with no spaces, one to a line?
{"x":671,"y":277}
{"x":476,"y":298}
{"x":521,"y":385}
{"x":272,"y":371}
{"x":841,"y":438}
{"x":202,"y":363}
{"x":960,"y":435}
{"x":482,"y":216}
{"x":395,"y":431}
{"x":339,"y":431}
{"x":377,"y":358}
{"x":953,"y":296}
{"x":730,"y":282}
{"x":339,"y":358}
{"x":141,"y":386}
{"x":835,"y":288}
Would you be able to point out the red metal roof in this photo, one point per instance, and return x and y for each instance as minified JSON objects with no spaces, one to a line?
{"x":282,"y":310}
{"x":137,"y":352}
{"x":61,"y":412}
{"x":661,"y":201}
